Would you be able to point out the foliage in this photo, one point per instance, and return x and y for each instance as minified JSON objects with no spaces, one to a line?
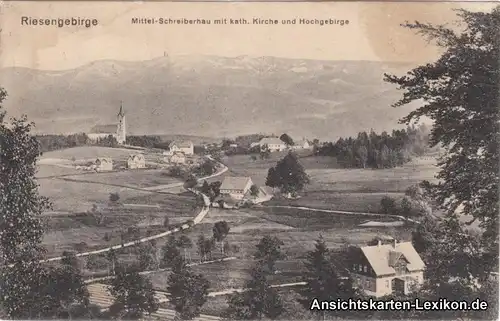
{"x":323,"y":280}
{"x":69,"y":259}
{"x":170,"y":253}
{"x":388,"y":205}
{"x":133,"y":293}
{"x":188,"y":291}
{"x":460,"y":95}
{"x":166,"y":221}
{"x":258,"y":301}
{"x":146,"y":141}
{"x":285,"y":138}
{"x":184,"y":242}
{"x":269,"y":251}
{"x":220,"y":231}
{"x":146,"y":255}
{"x":207,"y":168}
{"x":288,"y":175}
{"x":254,"y":190}
{"x":114,"y":197}
{"x":55,"y":142}
{"x":379,"y":151}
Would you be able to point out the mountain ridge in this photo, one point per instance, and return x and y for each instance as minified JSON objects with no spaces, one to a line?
{"x":210,"y":96}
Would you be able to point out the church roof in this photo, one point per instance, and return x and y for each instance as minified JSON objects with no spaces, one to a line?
{"x":104,"y":129}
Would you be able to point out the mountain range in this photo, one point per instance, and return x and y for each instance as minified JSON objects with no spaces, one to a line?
{"x":210,"y":96}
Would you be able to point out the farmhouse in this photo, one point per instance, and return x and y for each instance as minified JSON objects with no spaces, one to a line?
{"x":117,"y":131}
{"x":136,"y":161}
{"x":274,"y":144}
{"x":185,"y":147}
{"x":103,"y":164}
{"x":302,"y":144}
{"x":235,"y":187}
{"x":178,"y":158}
{"x":382,"y":269}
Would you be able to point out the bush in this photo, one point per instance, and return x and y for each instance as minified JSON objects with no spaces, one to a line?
{"x":388,"y":205}
{"x":114,"y":197}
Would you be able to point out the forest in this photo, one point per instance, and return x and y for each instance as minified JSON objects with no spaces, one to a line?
{"x":372,"y":150}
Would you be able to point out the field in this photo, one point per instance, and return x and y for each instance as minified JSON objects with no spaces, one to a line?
{"x":74,"y":194}
{"x":296,"y":228}
{"x":139,"y":178}
{"x":336,"y":188}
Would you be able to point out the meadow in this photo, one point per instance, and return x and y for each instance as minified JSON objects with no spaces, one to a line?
{"x":298,"y":230}
{"x":335,"y":188}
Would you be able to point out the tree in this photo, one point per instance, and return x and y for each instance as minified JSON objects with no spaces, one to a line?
{"x":166,"y":222}
{"x":201,"y":244}
{"x":191,"y":182}
{"x":323,"y":281}
{"x":288,"y":174}
{"x":388,"y":205}
{"x":185,"y":243}
{"x":460,"y":95}
{"x":269,"y":251}
{"x":363,"y":155}
{"x":112,"y":259}
{"x":205,"y":188}
{"x":21,"y":225}
{"x":134,"y":295}
{"x":406,"y":207}
{"x":170,"y":253}
{"x":187,"y":291}
{"x":285,"y":138}
{"x":260,"y":300}
{"x":69,"y":259}
{"x":254,"y":190}
{"x":146,"y":254}
{"x":220,"y":231}
{"x":114,"y":197}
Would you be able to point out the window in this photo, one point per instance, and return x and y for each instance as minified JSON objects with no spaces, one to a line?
{"x":416,"y":278}
{"x":354,"y":267}
{"x":360,"y":268}
{"x":365,"y":268}
{"x":387,"y":284}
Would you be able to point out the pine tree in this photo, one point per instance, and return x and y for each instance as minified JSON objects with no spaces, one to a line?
{"x":323,"y":280}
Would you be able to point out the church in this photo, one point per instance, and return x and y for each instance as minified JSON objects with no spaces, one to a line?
{"x":118,"y":131}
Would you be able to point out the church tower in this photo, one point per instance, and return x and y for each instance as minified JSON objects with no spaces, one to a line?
{"x":121,"y":134}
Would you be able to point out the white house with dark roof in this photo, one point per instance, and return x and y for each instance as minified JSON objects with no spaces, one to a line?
{"x":235,"y":187}
{"x":103,"y":164}
{"x":136,"y":161}
{"x":185,"y":147}
{"x":302,"y":144}
{"x":382,"y":269}
{"x":274,"y":144}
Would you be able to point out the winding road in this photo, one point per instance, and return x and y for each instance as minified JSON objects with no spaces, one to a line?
{"x":196,"y":220}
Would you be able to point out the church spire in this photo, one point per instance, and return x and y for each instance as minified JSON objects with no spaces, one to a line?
{"x":121,"y":113}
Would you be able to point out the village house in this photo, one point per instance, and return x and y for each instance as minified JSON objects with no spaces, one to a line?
{"x":178,"y":158}
{"x":274,"y":144}
{"x":302,"y":144}
{"x":384,"y":269}
{"x":118,"y":131}
{"x":103,"y":164}
{"x":136,"y":161}
{"x":185,"y":147}
{"x":235,"y":187}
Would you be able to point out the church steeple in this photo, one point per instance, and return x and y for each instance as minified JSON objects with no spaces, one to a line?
{"x":121,"y":113}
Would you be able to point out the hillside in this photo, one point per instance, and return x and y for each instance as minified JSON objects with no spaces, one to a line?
{"x":210,"y":96}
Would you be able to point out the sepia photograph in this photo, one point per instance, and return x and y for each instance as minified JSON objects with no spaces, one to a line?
{"x":249,"y":161}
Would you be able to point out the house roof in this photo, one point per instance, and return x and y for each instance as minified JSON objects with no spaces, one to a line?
{"x":271,"y":141}
{"x":235,"y":183}
{"x":179,"y":154}
{"x":104,"y":129}
{"x":301,"y":142}
{"x":381,"y":257}
{"x":181,"y":144}
{"x":104,"y":160}
{"x":136,"y":156}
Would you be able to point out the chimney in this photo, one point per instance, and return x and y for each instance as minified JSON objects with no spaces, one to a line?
{"x":394,"y":243}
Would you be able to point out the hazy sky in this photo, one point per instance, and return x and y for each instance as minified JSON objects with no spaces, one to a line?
{"x":373,"y":32}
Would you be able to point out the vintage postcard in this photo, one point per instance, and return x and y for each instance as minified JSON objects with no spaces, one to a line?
{"x":246,"y":160}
